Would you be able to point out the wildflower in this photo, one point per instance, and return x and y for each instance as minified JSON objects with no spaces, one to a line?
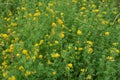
{"x":12,"y":78}
{"x":118,"y":20}
{"x":110,"y":58}
{"x":21,"y":68}
{"x":83,"y":8}
{"x":18,"y":55}
{"x":74,"y":1}
{"x":82,"y":70}
{"x":4,"y":63}
{"x":36,"y":45}
{"x":103,"y":0}
{"x":107,"y":33}
{"x":56,"y":42}
{"x":62,"y":35}
{"x":27,"y":73}
{"x":48,"y":62}
{"x":114,"y":44}
{"x":40,"y":56}
{"x":36,"y":14}
{"x":90,"y":43}
{"x":54,"y":73}
{"x":25,"y":52}
{"x":90,"y":50}
{"x":55,"y":55}
{"x":96,"y":10}
{"x":79,"y":32}
{"x":70,"y":65}
{"x":30,"y":15}
{"x":41,"y":42}
{"x":23,"y":8}
{"x":60,"y":21}
{"x":54,"y":24}
{"x":4,"y":74}
{"x":5,"y":36}
{"x":80,"y":49}
{"x":28,"y":57}
{"x":89,"y":77}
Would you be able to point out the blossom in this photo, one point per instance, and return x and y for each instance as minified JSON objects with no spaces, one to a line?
{"x":54,"y":24}
{"x":60,"y":21}
{"x":70,"y":65}
{"x":79,"y":32}
{"x":12,"y":78}
{"x":27,"y":73}
{"x":25,"y":52}
{"x":55,"y":55}
{"x":107,"y":33}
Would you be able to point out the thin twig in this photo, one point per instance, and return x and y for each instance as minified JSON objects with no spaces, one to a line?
{"x":116,"y":18}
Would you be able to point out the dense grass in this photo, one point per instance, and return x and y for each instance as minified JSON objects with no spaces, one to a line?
{"x":59,"y":40}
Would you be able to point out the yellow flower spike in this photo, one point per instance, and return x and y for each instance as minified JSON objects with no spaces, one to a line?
{"x":107,"y":33}
{"x":70,"y":65}
{"x":54,"y":24}
{"x":79,"y":32}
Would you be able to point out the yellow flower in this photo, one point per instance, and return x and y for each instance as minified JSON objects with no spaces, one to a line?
{"x":103,"y":0}
{"x":79,"y":32}
{"x":56,"y":42}
{"x":96,"y":10}
{"x":89,"y":77}
{"x":110,"y":58}
{"x":90,"y":50}
{"x":4,"y":74}
{"x":107,"y":33}
{"x":36,"y":14}
{"x":21,"y":68}
{"x":114,"y":44}
{"x":27,"y":73}
{"x":13,"y":24}
{"x":12,"y":78}
{"x":55,"y":55}
{"x":36,"y":45}
{"x":41,"y":42}
{"x":90,"y":43}
{"x":5,"y":36}
{"x":60,"y":21}
{"x":118,"y":20}
{"x":62,"y":35}
{"x":74,"y":1}
{"x":25,"y":52}
{"x":48,"y":62}
{"x":82,"y":70}
{"x":83,"y":8}
{"x":4,"y":63}
{"x":30,"y":14}
{"x":80,"y":49}
{"x":70,"y":65}
{"x":40,"y":56}
{"x":54,"y":24}
{"x":54,"y":73}
{"x":23,"y":8}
